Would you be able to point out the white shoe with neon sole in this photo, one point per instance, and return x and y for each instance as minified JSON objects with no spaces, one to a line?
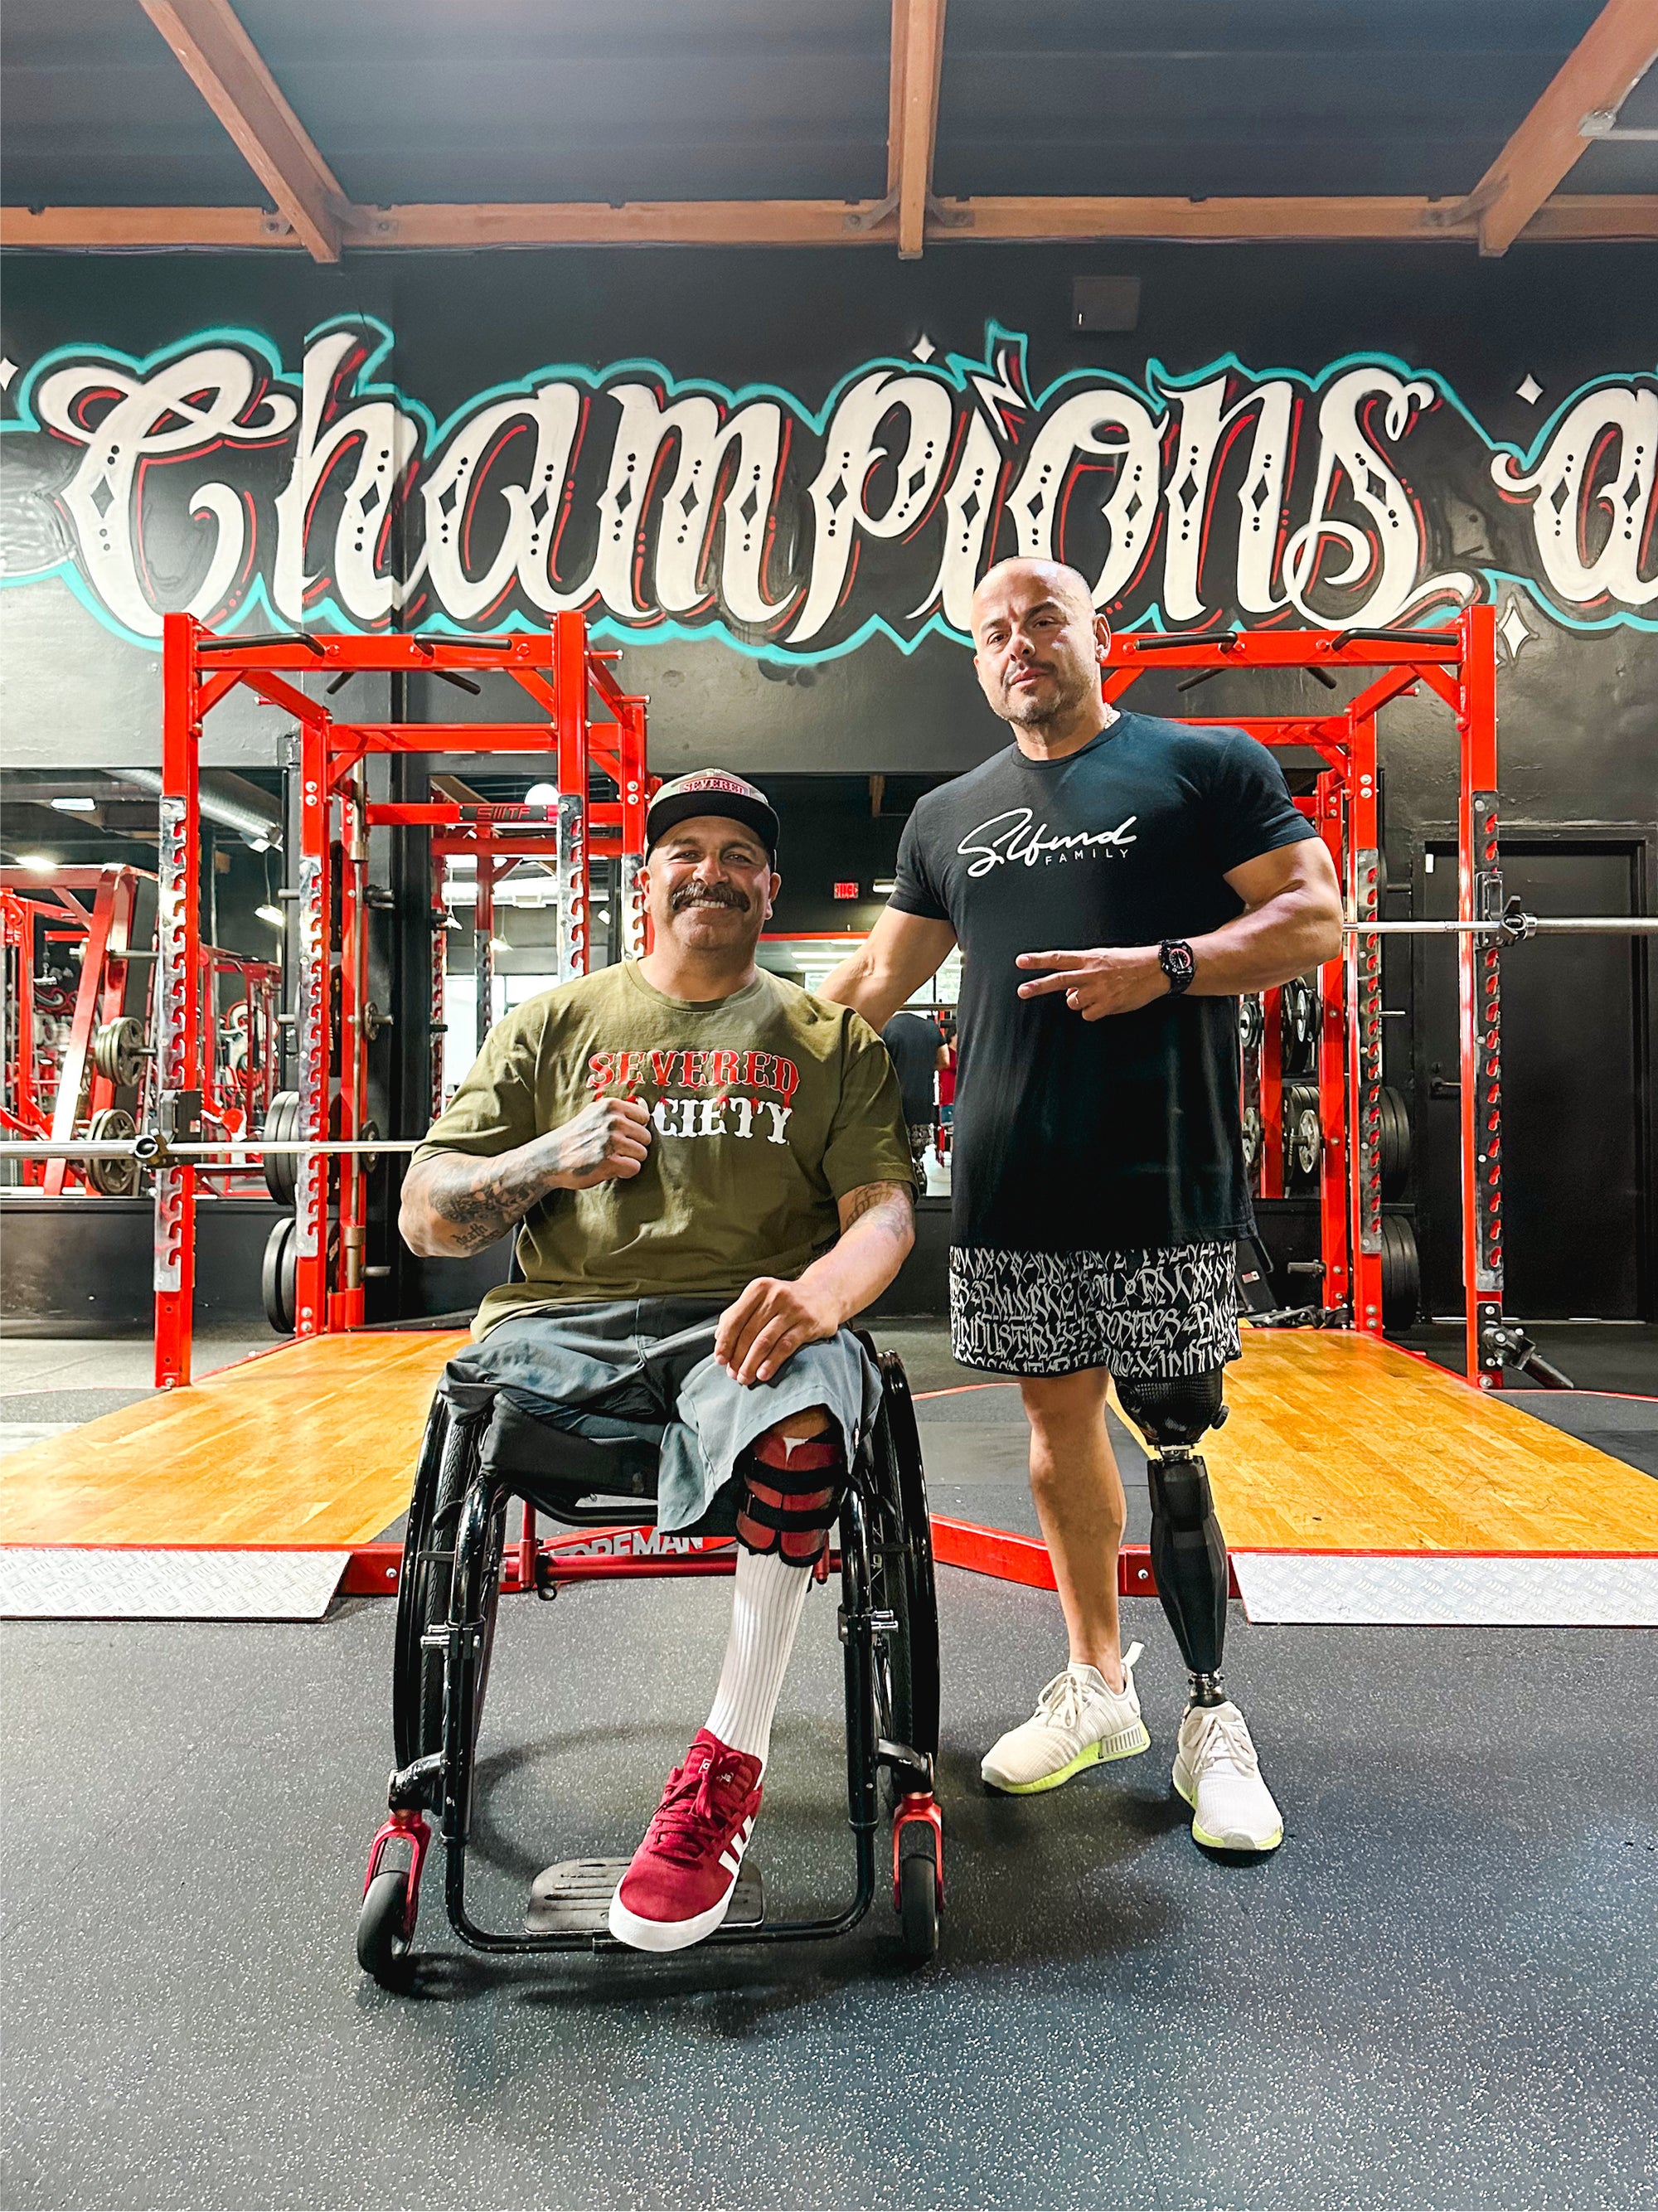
{"x":1079,"y":1721}
{"x":1219,"y":1775}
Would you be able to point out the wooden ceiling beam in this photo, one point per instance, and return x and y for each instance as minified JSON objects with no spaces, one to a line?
{"x":918,"y":56}
{"x":1607,"y":62}
{"x":1578,"y":216}
{"x":227,"y":70}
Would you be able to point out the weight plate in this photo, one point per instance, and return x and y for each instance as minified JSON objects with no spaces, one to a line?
{"x":112,"y":1178}
{"x":1401,"y":1274}
{"x":282,"y":1170}
{"x":1250,"y":1024}
{"x":1304,"y":1142}
{"x":367,"y":1135}
{"x":1251,"y":1137}
{"x":1394,"y":1144}
{"x":117,"y":1052}
{"x":276,"y":1275}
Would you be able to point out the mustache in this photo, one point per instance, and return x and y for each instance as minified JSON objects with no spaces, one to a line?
{"x":708,"y":895}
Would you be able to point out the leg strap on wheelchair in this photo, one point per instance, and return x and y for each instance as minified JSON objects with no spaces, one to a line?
{"x":791,"y":1498}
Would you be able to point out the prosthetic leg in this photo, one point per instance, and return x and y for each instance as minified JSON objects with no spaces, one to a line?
{"x":1188,"y":1553}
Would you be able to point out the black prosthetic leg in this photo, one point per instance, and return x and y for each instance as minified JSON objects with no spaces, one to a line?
{"x":1188,"y":1553}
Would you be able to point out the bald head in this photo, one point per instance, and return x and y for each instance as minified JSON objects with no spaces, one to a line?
{"x":1036,"y":650}
{"x":1048,"y":579}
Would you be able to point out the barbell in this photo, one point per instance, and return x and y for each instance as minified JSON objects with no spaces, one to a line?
{"x":1514,"y":926}
{"x":152,"y":1150}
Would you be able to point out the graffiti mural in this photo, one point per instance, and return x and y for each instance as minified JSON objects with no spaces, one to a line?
{"x":218,"y":477}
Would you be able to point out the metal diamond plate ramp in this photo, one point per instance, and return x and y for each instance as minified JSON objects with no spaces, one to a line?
{"x":1429,"y":1590}
{"x":65,"y":1583}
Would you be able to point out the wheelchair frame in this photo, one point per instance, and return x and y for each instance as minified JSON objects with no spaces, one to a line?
{"x":446,"y":1606}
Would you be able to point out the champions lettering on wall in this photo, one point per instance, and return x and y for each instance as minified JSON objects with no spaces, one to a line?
{"x":215,"y":476}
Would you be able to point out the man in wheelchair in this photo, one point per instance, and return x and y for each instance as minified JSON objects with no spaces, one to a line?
{"x":709,"y":1175}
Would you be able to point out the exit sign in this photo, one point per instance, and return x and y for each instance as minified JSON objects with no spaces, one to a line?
{"x":846,"y":891}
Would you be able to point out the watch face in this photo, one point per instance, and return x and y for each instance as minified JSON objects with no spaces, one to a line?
{"x":1177,"y":962}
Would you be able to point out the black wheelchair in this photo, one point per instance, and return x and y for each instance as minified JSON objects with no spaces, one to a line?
{"x":480,"y":1452}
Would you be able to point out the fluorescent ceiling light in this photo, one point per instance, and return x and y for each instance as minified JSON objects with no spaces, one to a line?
{"x":76,"y":805}
{"x":887,"y":883}
{"x":273,"y":914}
{"x":42,"y":863}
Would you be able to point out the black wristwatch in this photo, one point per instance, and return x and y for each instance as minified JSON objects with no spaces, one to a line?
{"x":1176,"y":960}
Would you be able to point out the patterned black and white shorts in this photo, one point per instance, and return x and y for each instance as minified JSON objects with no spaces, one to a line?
{"x":1142,"y":1315}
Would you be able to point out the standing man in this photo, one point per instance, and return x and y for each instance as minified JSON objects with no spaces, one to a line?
{"x":1115,"y":881}
{"x":914,"y":1047}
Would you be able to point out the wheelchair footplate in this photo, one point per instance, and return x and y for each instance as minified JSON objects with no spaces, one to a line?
{"x":573,"y":1897}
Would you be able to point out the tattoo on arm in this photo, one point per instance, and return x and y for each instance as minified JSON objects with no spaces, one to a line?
{"x":481,"y":1200}
{"x":891,"y":1200}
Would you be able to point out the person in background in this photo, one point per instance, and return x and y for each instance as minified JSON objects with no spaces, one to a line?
{"x":917,"y":1056}
{"x":946,"y":1080}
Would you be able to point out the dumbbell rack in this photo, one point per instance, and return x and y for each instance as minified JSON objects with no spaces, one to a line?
{"x":561,"y":676}
{"x":1459,"y":664}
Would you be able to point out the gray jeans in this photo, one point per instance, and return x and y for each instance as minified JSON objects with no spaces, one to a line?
{"x":644,"y":1368}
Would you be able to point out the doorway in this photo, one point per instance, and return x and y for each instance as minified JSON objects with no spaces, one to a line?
{"x":1576,"y":1123}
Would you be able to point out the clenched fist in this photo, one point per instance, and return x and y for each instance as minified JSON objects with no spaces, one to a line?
{"x":607,"y":1142}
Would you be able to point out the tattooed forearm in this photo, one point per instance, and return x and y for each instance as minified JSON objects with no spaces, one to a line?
{"x":892,"y":1200}
{"x":876,"y":1230}
{"x":454,"y":1204}
{"x":479,"y":1200}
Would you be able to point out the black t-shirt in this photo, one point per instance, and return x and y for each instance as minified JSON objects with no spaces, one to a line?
{"x":1073,"y":1135}
{"x":914,"y":1045}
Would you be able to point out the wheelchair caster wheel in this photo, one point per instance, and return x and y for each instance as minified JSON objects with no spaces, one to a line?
{"x":384,"y":1930}
{"x":918,"y":1907}
{"x":918,"y":1876}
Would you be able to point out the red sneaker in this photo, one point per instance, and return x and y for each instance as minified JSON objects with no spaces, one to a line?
{"x":680,"y":1882}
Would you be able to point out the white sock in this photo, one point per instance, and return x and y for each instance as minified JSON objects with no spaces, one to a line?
{"x":765,"y":1607}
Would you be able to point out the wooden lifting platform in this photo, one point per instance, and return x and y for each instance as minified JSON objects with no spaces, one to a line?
{"x":1354,"y":1480}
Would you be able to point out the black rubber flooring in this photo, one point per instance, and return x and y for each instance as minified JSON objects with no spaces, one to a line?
{"x":1438,"y":1993}
{"x":1618,"y":1356}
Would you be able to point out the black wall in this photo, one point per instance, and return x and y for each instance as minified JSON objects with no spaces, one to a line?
{"x":880,"y":687}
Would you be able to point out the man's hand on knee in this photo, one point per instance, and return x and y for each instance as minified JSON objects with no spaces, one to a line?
{"x":760,"y":1331}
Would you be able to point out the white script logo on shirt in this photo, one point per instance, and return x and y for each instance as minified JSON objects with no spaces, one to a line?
{"x":1018,"y":840}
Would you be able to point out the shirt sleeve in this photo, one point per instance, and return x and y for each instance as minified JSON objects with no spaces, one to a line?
{"x":867,"y":1140}
{"x":914,"y":889}
{"x":1249,"y":807}
{"x":495,"y":1109}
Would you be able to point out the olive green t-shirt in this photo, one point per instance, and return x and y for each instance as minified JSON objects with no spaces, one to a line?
{"x":765,"y":1108}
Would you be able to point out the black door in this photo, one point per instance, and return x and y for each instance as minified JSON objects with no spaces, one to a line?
{"x":1572,"y":1120}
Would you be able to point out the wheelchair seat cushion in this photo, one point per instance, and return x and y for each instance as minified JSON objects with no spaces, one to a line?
{"x":556,"y":1467}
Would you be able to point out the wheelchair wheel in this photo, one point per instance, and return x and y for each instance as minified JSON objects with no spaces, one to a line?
{"x":448,"y":1462}
{"x":382,"y":1929}
{"x":906,"y":1667}
{"x":918,"y":1898}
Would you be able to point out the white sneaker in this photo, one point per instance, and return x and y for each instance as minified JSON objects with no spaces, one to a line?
{"x":1079,"y":1721}
{"x":1218,"y":1773}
